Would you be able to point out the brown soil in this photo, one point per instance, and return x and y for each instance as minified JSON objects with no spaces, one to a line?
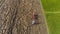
{"x":16,"y":17}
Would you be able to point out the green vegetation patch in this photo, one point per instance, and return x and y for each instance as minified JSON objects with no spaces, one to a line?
{"x":53,"y":21}
{"x":51,"y":5}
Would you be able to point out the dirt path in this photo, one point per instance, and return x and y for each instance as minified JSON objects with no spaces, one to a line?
{"x":16,"y":17}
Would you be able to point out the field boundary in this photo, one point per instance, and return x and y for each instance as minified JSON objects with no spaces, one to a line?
{"x":44,"y":17}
